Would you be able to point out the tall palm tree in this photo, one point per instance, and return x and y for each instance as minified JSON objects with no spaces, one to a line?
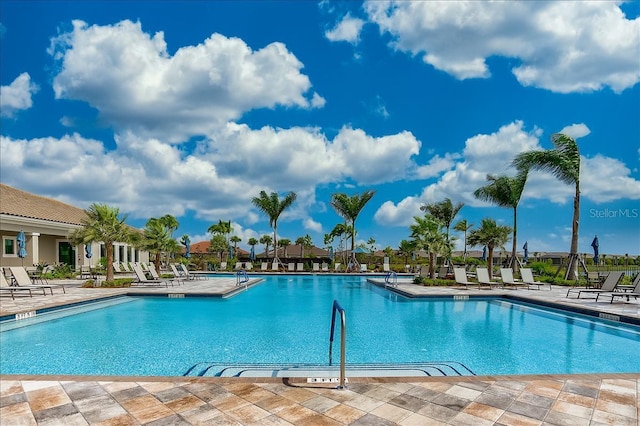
{"x":463,"y":226}
{"x":349,"y":207}
{"x":273,"y":207}
{"x":156,"y":238}
{"x":103,"y":223}
{"x":406,"y":248}
{"x":284,"y":243}
{"x":235,"y":240}
{"x":428,"y":234}
{"x":492,"y":235}
{"x":505,"y":191}
{"x":266,"y":240}
{"x":445,"y":211}
{"x":564,"y":163}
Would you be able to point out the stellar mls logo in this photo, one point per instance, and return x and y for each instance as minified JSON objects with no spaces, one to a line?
{"x":613,"y":213}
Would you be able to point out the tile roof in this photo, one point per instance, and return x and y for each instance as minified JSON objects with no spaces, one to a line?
{"x":14,"y":202}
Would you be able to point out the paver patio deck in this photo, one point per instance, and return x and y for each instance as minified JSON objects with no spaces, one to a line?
{"x":510,"y":400}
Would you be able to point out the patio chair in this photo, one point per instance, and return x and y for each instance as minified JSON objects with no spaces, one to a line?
{"x":178,"y":275}
{"x":143,"y":280}
{"x":248,"y":266}
{"x":337,"y":267}
{"x":316,"y":267}
{"x":483,"y":278}
{"x":508,"y":280}
{"x":275,"y":267}
{"x":609,"y":284}
{"x":223,"y":266}
{"x":188,"y":274}
{"x":22,"y":279}
{"x":155,"y":276}
{"x":461,"y":277}
{"x":527,"y":278}
{"x":4,"y":286}
{"x":264,"y":267}
{"x":238,"y":266}
{"x":325,"y":267}
{"x":593,"y":279}
{"x":625,"y":290}
{"x":443,"y":272}
{"x":363,"y":267}
{"x":291,"y":267}
{"x":300,"y":267}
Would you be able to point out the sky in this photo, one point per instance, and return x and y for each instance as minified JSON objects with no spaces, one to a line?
{"x":193,"y":108}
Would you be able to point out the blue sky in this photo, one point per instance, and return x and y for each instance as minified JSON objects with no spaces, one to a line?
{"x":193,"y":108}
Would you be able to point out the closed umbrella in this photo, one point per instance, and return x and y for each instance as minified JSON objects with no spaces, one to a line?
{"x":484,"y":253}
{"x":252,"y":253}
{"x":187,"y":248}
{"x":22,"y":245}
{"x":331,"y":253}
{"x":87,"y":251}
{"x":596,"y":248}
{"x":525,"y":247}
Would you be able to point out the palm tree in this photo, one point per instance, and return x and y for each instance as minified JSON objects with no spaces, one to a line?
{"x":341,"y":231}
{"x":463,"y":226}
{"x":103,"y":223}
{"x":505,"y":191}
{"x":284,"y":243}
{"x":156,"y":239}
{"x":564,"y":163}
{"x":305,"y":243}
{"x":491,"y":235}
{"x":428,"y":234}
{"x":266,"y":240}
{"x":273,"y":207}
{"x":253,"y":242}
{"x":445,"y":212}
{"x":406,"y":248}
{"x":235,"y":240}
{"x":218,"y":245}
{"x":349,"y":207}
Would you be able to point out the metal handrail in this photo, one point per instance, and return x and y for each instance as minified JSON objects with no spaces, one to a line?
{"x":391,"y":279}
{"x":343,"y":329}
{"x":242,"y":277}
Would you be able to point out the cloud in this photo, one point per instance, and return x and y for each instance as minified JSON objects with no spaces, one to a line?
{"x":17,"y":96}
{"x":348,"y":29}
{"x":559,"y":46}
{"x":576,"y":130}
{"x":193,"y":92}
{"x":602,"y":178}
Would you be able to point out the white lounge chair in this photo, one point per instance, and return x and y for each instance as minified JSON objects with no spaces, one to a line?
{"x":223,"y":266}
{"x":21,"y":276}
{"x":300,"y":267}
{"x":275,"y":267}
{"x":508,"y":280}
{"x":325,"y":267}
{"x":483,"y":278}
{"x":248,"y":266}
{"x":155,"y":276}
{"x":4,"y":287}
{"x":527,"y":278}
{"x":363,"y":267}
{"x":264,"y":267}
{"x":337,"y":267}
{"x":291,"y":267}
{"x":238,"y":266}
{"x":316,"y":267}
{"x":461,"y":277}
{"x":143,"y":280}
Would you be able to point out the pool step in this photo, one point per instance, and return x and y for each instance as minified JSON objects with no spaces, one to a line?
{"x":437,"y":369}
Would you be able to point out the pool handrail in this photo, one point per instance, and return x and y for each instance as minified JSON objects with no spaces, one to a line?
{"x":391,"y":279}
{"x":343,"y":328}
{"x":242,"y":277}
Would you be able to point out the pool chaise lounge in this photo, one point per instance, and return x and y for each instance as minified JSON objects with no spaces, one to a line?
{"x":527,"y":278}
{"x":4,"y":287}
{"x":507,"y":279}
{"x":21,"y":276}
{"x":461,"y":277}
{"x":625,"y":291}
{"x":143,"y":280}
{"x":483,"y":278}
{"x":608,"y":286}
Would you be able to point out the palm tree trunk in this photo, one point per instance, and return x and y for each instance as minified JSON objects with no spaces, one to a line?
{"x":432,"y":265}
{"x":572,"y":267}
{"x":514,"y":259}
{"x":109,"y":249}
{"x":275,"y":243}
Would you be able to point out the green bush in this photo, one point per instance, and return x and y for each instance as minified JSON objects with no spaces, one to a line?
{"x":117,"y":283}
{"x":60,"y":271}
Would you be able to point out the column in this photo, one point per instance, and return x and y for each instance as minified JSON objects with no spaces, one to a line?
{"x":35,"y":247}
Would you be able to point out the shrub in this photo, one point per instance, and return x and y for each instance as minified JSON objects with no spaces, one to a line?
{"x":117,"y":283}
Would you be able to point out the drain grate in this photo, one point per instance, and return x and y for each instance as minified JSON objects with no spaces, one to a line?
{"x":325,"y":380}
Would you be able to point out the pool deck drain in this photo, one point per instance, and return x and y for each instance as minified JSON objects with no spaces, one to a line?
{"x":595,"y":399}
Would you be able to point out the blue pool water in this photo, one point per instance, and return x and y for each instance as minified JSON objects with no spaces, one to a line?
{"x":286,"y":320}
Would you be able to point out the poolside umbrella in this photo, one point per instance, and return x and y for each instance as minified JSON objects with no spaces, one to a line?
{"x":252,"y":254}
{"x":187,"y":248}
{"x":22,"y":245}
{"x":525,"y":247}
{"x":596,"y":245}
{"x":87,"y":251}
{"x":484,"y":253}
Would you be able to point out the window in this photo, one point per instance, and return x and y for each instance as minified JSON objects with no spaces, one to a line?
{"x":9,"y":247}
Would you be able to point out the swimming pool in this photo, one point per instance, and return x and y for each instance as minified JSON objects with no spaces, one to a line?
{"x":286,"y":320}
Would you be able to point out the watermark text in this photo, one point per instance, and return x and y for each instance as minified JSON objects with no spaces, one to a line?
{"x":607,"y":213}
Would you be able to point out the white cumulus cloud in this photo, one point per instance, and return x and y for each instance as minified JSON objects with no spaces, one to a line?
{"x":569,"y":46}
{"x":348,"y":29}
{"x":17,"y":96}
{"x":131,"y":79}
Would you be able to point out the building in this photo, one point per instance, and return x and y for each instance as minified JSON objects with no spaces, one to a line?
{"x":47,"y":224}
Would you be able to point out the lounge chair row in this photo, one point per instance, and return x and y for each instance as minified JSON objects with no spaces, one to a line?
{"x":508,"y":281}
{"x":19,"y":281}
{"x":611,"y":288}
